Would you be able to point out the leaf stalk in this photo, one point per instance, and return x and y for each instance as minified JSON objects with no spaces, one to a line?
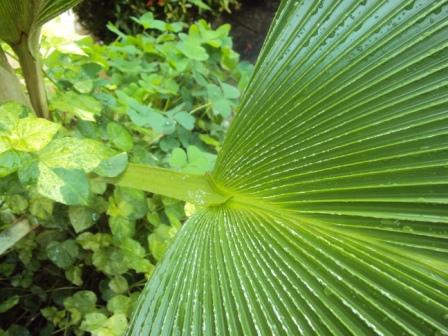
{"x":32,"y":72}
{"x":196,"y":189}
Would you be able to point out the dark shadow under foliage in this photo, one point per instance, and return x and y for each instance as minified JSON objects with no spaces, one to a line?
{"x":250,"y":20}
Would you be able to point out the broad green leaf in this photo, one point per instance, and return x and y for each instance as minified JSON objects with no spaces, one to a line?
{"x":141,"y":265}
{"x":220,"y":100}
{"x":73,"y":153}
{"x":32,"y":134}
{"x":128,"y":203}
{"x":81,"y":218}
{"x":82,"y":301}
{"x":83,"y":106}
{"x":113,"y":166}
{"x":158,"y":84}
{"x":41,"y":207}
{"x":192,"y":49}
{"x":13,"y":234}
{"x":9,"y":162}
{"x":199,"y":162}
{"x":94,"y":242}
{"x":74,"y":275}
{"x":178,"y":158}
{"x":9,"y":114}
{"x":63,"y":254}
{"x":174,"y":27}
{"x":121,"y":227}
{"x":230,"y":91}
{"x":110,"y":260}
{"x":84,"y":86}
{"x":28,"y":171}
{"x":119,"y":304}
{"x":68,"y":186}
{"x":9,"y":303}
{"x":193,"y":161}
{"x":120,"y":136}
{"x":203,"y":32}
{"x":99,"y":325}
{"x":16,"y":203}
{"x":118,"y":284}
{"x":93,"y":321}
{"x":4,"y":144}
{"x":116,"y":325}
{"x":134,"y":254}
{"x":159,"y":241}
{"x":146,"y":116}
{"x":132,"y":248}
{"x":91,"y":69}
{"x":185,"y":119}
{"x":167,"y":144}
{"x":336,"y":171}
{"x":148,"y":22}
{"x":133,"y":66}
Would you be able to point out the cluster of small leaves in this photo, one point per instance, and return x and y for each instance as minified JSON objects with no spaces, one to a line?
{"x":120,"y":11}
{"x":33,"y":158}
{"x":151,"y":93}
{"x":163,"y":97}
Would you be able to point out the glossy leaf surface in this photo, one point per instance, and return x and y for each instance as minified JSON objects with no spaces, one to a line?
{"x":23,"y":18}
{"x":337,"y":168}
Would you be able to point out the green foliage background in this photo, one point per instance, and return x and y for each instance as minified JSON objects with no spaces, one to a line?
{"x":324,"y":214}
{"x":119,"y":11}
{"x":164,"y":97}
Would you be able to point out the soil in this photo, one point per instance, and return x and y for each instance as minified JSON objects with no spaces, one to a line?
{"x":250,"y":25}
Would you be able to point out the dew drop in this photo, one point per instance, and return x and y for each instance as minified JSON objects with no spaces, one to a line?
{"x":386,"y":221}
{"x":407,"y":228}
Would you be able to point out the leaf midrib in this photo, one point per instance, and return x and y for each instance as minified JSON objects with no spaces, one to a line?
{"x":244,"y":202}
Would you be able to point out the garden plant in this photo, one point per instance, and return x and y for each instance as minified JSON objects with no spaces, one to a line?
{"x":145,"y":99}
{"x":119,"y":11}
{"x":325,"y":212}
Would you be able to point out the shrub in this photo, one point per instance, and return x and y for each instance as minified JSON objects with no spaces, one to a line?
{"x":120,"y":12}
{"x":326,"y":210}
{"x":164,"y":97}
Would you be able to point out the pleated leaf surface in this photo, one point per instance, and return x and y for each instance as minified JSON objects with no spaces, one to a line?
{"x":336,"y":165}
{"x":23,"y":18}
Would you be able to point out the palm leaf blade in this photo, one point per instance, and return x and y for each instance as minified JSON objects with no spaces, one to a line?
{"x":24,"y":18}
{"x":337,"y":168}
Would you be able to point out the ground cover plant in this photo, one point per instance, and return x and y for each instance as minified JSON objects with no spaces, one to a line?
{"x":325,"y":212}
{"x":88,"y":248}
{"x":120,"y":11}
{"x":333,"y":218}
